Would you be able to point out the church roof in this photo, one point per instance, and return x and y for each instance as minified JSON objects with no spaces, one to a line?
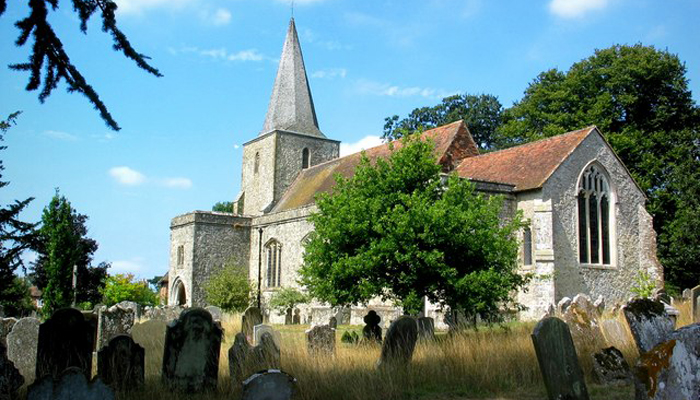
{"x":291,"y":105}
{"x":453,"y":143}
{"x":527,"y":166}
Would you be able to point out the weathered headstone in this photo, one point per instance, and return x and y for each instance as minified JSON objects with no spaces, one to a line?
{"x":10,"y":378}
{"x":259,"y":330}
{"x":215,"y":312}
{"x":21,"y":347}
{"x":113,"y":321}
{"x":267,"y":352}
{"x":164,"y":313}
{"x":562,"y":305}
{"x":399,"y":343}
{"x":671,"y":370}
{"x":65,"y":340}
{"x":372,"y":331}
{"x":426,"y":328}
{"x":120,"y":364}
{"x":559,"y":365}
{"x":686,"y":294}
{"x":296,"y":320}
{"x":616,"y":333}
{"x":320,"y":340}
{"x":610,"y":367}
{"x":648,"y":322}
{"x":70,"y":385}
{"x":272,"y":384}
{"x":6,"y":325}
{"x":333,"y":322}
{"x":238,"y":357}
{"x":132,"y":305}
{"x":191,"y":354}
{"x":244,"y":359}
{"x":695,"y":303}
{"x":251,"y":317}
{"x":343,"y":315}
{"x":288,"y":318}
{"x":582,"y":318}
{"x":599,"y":305}
{"x":150,"y":335}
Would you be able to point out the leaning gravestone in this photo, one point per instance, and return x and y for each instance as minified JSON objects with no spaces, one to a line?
{"x":191,"y":354}
{"x":426,"y":328}
{"x":610,"y":367}
{"x":251,"y":317}
{"x":372,"y":331}
{"x":21,"y":347}
{"x":10,"y":378}
{"x":695,"y":303}
{"x":120,"y":363}
{"x":671,"y":370}
{"x":259,"y":330}
{"x":113,"y":321}
{"x":150,"y":335}
{"x":70,"y":385}
{"x":320,"y":340}
{"x":215,"y":312}
{"x":559,"y":365}
{"x":648,"y":322}
{"x":399,"y":343}
{"x":582,"y":318}
{"x":272,"y":384}
{"x":616,"y":333}
{"x":65,"y":340}
{"x":243,"y":359}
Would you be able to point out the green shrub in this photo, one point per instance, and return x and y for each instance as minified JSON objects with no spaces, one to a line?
{"x":229,"y":288}
{"x":287,"y":298}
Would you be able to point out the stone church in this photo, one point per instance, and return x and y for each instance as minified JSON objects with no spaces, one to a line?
{"x":589,"y":230}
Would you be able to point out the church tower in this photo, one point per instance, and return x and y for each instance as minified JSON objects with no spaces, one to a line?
{"x":290,"y":139}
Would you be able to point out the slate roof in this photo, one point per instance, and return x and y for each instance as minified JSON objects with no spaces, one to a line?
{"x":527,"y":166}
{"x":453,"y":143}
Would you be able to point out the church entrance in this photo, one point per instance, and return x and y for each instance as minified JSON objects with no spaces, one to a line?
{"x":179,"y":295}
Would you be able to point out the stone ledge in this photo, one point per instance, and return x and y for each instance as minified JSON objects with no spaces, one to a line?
{"x":210,"y":217}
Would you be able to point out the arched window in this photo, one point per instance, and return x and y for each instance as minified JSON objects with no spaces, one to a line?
{"x":179,"y":295}
{"x":594,"y":217}
{"x":256,"y":163}
{"x":527,"y":246}
{"x":273,"y":251}
{"x":305,"y":158}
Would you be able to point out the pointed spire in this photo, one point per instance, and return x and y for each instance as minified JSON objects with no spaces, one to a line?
{"x":291,"y":106}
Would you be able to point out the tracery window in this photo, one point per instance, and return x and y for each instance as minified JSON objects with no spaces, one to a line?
{"x":305,"y":158}
{"x":273,"y":251}
{"x":594,"y":217}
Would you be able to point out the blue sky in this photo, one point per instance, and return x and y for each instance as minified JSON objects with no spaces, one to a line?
{"x":179,"y":149}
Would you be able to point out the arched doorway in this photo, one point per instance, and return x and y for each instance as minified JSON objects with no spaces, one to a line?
{"x":179,"y":294}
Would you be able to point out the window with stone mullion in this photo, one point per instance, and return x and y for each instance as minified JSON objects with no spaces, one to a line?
{"x":594,"y":218}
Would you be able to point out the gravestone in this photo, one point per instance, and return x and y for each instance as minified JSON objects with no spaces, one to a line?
{"x":258,"y":331}
{"x":616,"y":333}
{"x":150,"y":335}
{"x":288,"y":318}
{"x":372,"y":331}
{"x":6,"y":325}
{"x":648,"y":322}
{"x":558,"y":362}
{"x":113,"y":321}
{"x":272,"y":384}
{"x":399,"y":343}
{"x":582,"y":318}
{"x":65,"y":340}
{"x":10,"y":378}
{"x":671,"y":370}
{"x":320,"y":340}
{"x":131,"y":305}
{"x":71,"y":384}
{"x":610,"y":367}
{"x":695,"y":303}
{"x":244,"y":359}
{"x":333,"y":322}
{"x":120,"y":364}
{"x":21,"y":347}
{"x":267,"y":352}
{"x":163,"y":313}
{"x":562,"y":305}
{"x":251,"y":317}
{"x":343,"y":315}
{"x":238,"y":357}
{"x":215,"y":312}
{"x":686,"y":294}
{"x":426,"y":328}
{"x":191,"y":354}
{"x":296,"y":320}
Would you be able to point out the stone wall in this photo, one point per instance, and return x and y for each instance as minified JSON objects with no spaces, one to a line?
{"x":258,"y":188}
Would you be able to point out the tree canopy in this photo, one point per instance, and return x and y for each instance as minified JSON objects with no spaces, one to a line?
{"x":125,"y":287}
{"x":223,"y":206}
{"x":229,"y":288}
{"x":49,"y":62}
{"x":400,"y":230}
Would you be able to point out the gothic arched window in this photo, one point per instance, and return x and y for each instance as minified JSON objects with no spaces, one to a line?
{"x":305,"y":158}
{"x":527,"y":246}
{"x":273,"y":251}
{"x":594,"y":217}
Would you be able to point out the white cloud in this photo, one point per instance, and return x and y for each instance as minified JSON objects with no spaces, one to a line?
{"x":133,"y":266}
{"x":59,"y":135}
{"x":177,"y":183}
{"x":139,"y":6}
{"x":331,"y":73}
{"x":246,"y":55}
{"x":385,"y":89}
{"x":576,"y":8}
{"x":362,"y":144}
{"x":219,"y":17}
{"x":220,"y":53}
{"x":127,"y":176}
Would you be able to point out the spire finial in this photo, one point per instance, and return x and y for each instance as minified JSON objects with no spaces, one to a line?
{"x":292,"y":9}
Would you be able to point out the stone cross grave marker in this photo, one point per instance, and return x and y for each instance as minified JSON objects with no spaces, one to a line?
{"x":113,"y":321}
{"x":671,"y":370}
{"x":559,"y":365}
{"x":120,"y":363}
{"x":320,"y":340}
{"x":10,"y":378}
{"x":65,"y":340}
{"x":648,"y":322}
{"x":191,"y":354}
{"x":244,"y":359}
{"x":399,"y":343}
{"x":372,"y":331}
{"x":71,"y":384}
{"x":150,"y":335}
{"x":426,"y":328}
{"x":251,"y":317}
{"x":272,"y":384}
{"x":258,"y":331}
{"x":21,"y":347}
{"x":695,"y":303}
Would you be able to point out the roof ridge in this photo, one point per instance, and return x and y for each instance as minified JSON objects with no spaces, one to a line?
{"x":588,"y":128}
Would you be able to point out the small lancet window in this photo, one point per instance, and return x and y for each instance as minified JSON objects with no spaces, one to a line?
{"x":527,"y":246}
{"x":594,"y":217}
{"x":256,"y":163}
{"x":305,"y":158}
{"x":273,"y":251}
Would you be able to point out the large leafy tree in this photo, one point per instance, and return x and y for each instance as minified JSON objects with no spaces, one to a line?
{"x":16,"y":236}
{"x":49,"y":62}
{"x":481,"y":113}
{"x":125,"y":287}
{"x":400,"y":230}
{"x":229,"y":288}
{"x":63,"y":243}
{"x":639,"y":98}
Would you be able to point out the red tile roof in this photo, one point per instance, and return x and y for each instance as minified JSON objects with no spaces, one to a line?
{"x":527,"y":166}
{"x":453,"y":143}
